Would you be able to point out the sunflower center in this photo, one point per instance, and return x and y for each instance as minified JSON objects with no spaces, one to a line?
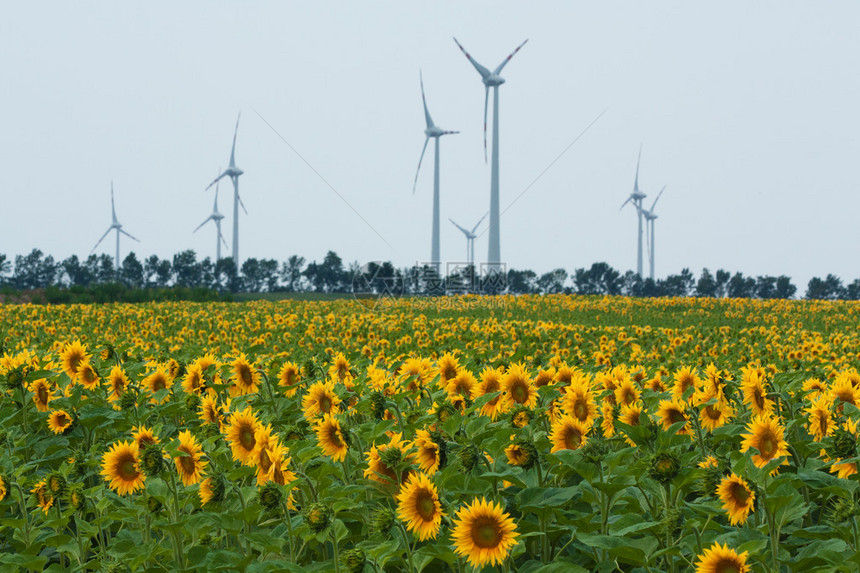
{"x":158,"y":384}
{"x":245,"y":375}
{"x":334,"y":437}
{"x":758,"y":396}
{"x":325,"y":404}
{"x":676,"y":416}
{"x":61,"y":419}
{"x":767,"y":447}
{"x":518,"y":391}
{"x":486,"y":533}
{"x":713,"y":413}
{"x":246,"y":438}
{"x":580,"y":410}
{"x":740,"y":493}
{"x":187,"y":462}
{"x":425,"y":506}
{"x":74,"y":362}
{"x":727,"y":566}
{"x":572,"y":439}
{"x":127,"y":471}
{"x":449,"y":372}
{"x":43,"y":395}
{"x":265,"y":461}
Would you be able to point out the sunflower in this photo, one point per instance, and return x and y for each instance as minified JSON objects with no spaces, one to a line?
{"x":330,"y":438}
{"x":544,"y":377}
{"x":72,"y":356}
{"x":43,"y":496}
{"x":483,"y":533}
{"x":491,"y":382}
{"x":765,"y":435}
{"x":820,"y":419}
{"x":3,"y":490}
{"x":844,"y":471}
{"x":416,"y":372}
{"x":210,"y":411}
{"x":266,"y":441}
{"x":190,"y":466}
{"x":427,"y":453}
{"x":121,"y":468}
{"x":685,"y":379}
{"x":721,"y":559}
{"x":42,"y":394}
{"x":340,"y":370}
{"x":208,"y":490}
{"x":290,"y":377}
{"x":579,"y":402}
{"x":626,"y":392}
{"x":738,"y":499}
{"x":320,"y":400}
{"x":88,"y":376}
{"x":59,"y":421}
{"x":193,"y":382}
{"x":607,"y":411}
{"x":246,"y":378}
{"x":671,"y":412}
{"x":632,"y":416}
{"x":448,"y":367}
{"x":143,"y":437}
{"x":419,"y":508}
{"x":461,"y":386}
{"x":158,"y":380}
{"x":117,"y":383}
{"x":716,"y":415}
{"x":656,"y":384}
{"x":279,"y":472}
{"x":815,"y":387}
{"x":383,"y":460}
{"x":568,"y":433}
{"x":240,"y":435}
{"x":845,"y":391}
{"x":755,"y":393}
{"x":519,"y":388}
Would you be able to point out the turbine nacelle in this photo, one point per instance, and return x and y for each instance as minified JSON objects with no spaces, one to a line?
{"x":436,"y":131}
{"x":493,"y":80}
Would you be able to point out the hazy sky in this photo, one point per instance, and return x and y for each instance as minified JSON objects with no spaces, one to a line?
{"x":747,"y":111}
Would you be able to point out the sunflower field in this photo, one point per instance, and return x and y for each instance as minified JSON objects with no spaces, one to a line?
{"x":532,"y":434}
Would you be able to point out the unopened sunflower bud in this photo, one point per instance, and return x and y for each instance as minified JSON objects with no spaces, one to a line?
{"x":56,"y":483}
{"x":353,"y":560}
{"x":664,"y":467}
{"x":318,"y":517}
{"x":127,"y":401}
{"x":153,"y":505}
{"x":152,"y":460}
{"x":468,"y":457}
{"x":595,"y":449}
{"x":391,"y":457}
{"x":75,"y":497}
{"x":844,"y":444}
{"x":377,"y":405}
{"x":382,"y":520}
{"x":270,"y":495}
{"x":192,"y":401}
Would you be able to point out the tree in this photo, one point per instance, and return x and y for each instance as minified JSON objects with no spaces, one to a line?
{"x":186,"y":270}
{"x":332,"y":273}
{"x":765,"y":287}
{"x":722,"y":282}
{"x":291,"y":272}
{"x":680,"y":284}
{"x":740,"y":287}
{"x":828,"y":289}
{"x":599,"y":279}
{"x":852,"y":291}
{"x":552,"y":282}
{"x":207,"y":273}
{"x":707,"y":285}
{"x":521,"y":282}
{"x":784,"y":288}
{"x":227,"y":274}
{"x":131,"y":271}
{"x":150,"y":271}
{"x":269,"y":273}
{"x":34,"y":271}
{"x":5,"y":267}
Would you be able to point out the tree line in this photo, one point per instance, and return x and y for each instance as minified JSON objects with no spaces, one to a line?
{"x":39,"y":271}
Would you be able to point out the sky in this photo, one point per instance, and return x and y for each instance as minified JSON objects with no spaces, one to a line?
{"x":748,"y":113}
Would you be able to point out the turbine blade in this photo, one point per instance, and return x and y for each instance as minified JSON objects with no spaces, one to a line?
{"x":449,"y":132}
{"x":636,"y":181}
{"x":217,"y":179}
{"x":242,"y":204}
{"x":427,"y":117}
{"x":201,"y":224}
{"x":129,"y":235}
{"x":481,"y":69}
{"x":102,"y":239}
{"x":233,"y":150}
{"x":486,"y":101}
{"x":475,"y":228}
{"x":465,"y":232}
{"x":112,"y":207}
{"x":222,"y":237}
{"x":628,"y":200}
{"x":658,"y":197}
{"x":420,"y":159}
{"x":498,"y":70}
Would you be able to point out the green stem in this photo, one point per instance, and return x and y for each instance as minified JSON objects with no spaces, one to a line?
{"x":177,"y":551}
{"x":336,"y":551}
{"x":406,"y":542}
{"x":288,"y":521}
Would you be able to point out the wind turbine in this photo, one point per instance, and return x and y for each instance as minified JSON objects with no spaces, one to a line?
{"x":216,"y":217}
{"x":115,"y":225}
{"x":435,"y":132}
{"x":650,"y":216}
{"x":636,"y":197}
{"x":233,"y":173}
{"x":492,"y":80}
{"x":470,"y":239}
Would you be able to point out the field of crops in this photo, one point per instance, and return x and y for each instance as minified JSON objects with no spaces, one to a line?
{"x":549,"y":433}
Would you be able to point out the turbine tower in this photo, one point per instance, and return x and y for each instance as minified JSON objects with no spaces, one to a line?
{"x":435,"y":132}
{"x":492,"y":80}
{"x":636,"y":197}
{"x":233,"y":173}
{"x":115,"y":225}
{"x":650,"y":216}
{"x":216,"y":218}
{"x":470,"y":239}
